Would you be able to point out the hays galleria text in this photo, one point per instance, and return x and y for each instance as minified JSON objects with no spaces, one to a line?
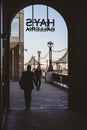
{"x":40,"y":25}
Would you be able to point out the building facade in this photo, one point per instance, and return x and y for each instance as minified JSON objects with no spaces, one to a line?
{"x":17,"y":46}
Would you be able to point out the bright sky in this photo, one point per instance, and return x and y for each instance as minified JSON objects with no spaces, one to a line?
{"x":37,"y":41}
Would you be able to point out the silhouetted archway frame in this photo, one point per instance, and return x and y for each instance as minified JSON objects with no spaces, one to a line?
{"x":74,"y":13}
{"x":15,"y":6}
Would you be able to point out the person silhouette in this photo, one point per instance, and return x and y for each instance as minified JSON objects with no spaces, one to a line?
{"x":38,"y":73}
{"x":27,"y":80}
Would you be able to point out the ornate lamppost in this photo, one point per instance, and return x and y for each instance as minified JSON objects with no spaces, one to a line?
{"x":39,"y":52}
{"x":50,"y":45}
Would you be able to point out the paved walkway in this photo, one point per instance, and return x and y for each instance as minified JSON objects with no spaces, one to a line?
{"x":48,"y":110}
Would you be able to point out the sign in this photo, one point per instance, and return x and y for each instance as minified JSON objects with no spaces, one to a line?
{"x":40,"y":25}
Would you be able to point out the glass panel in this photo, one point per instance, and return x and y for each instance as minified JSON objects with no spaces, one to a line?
{"x":40,"y":14}
{"x":28,"y":12}
{"x":51,"y":16}
{"x":15,"y":28}
{"x":40,"y":11}
{"x":27,"y":16}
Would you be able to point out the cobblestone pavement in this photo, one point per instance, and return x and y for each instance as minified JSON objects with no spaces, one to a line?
{"x":47,"y":112}
{"x":48,"y":97}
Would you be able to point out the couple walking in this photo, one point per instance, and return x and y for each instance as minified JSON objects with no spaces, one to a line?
{"x":28,"y":79}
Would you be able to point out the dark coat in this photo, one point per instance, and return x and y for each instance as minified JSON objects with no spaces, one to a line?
{"x":27,"y":79}
{"x":38,"y":73}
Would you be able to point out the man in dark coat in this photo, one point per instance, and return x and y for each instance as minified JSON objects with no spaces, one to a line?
{"x":27,"y":79}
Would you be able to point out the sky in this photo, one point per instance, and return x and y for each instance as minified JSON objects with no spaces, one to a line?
{"x":37,"y":41}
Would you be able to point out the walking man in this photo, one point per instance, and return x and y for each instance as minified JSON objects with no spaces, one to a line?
{"x":27,"y":79}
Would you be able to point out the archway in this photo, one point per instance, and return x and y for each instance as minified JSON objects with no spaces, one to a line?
{"x":17,"y":46}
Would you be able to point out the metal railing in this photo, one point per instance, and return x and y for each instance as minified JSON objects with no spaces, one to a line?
{"x":60,"y":79}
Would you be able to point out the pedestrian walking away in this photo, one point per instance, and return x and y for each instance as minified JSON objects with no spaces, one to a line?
{"x":38,"y":73}
{"x":27,"y":82}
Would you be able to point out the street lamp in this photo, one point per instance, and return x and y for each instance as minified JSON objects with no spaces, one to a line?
{"x":39,"y":52}
{"x":50,"y":45}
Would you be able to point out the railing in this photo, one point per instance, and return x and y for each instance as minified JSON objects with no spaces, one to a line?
{"x":60,"y":79}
